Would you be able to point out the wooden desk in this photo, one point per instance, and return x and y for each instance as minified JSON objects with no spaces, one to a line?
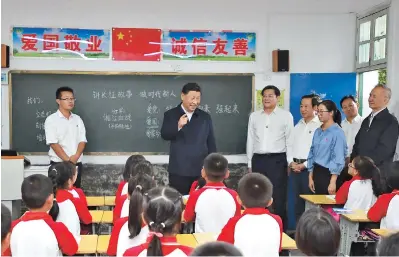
{"x":95,"y":201}
{"x":97,"y":215}
{"x":102,"y":244}
{"x":312,"y":201}
{"x":384,"y":232}
{"x":88,"y":244}
{"x":107,"y":217}
{"x":287,"y":243}
{"x":109,"y":200}
{"x":349,"y":225}
{"x":187,"y":240}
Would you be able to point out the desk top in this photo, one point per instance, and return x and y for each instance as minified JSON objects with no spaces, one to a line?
{"x":95,"y":200}
{"x":384,"y":232}
{"x":318,"y":199}
{"x":102,"y":243}
{"x":287,"y":242}
{"x":357,"y":216}
{"x":108,"y":217}
{"x":187,"y":240}
{"x":18,"y":157}
{"x":97,"y":215}
{"x":88,"y":244}
{"x":109,"y":200}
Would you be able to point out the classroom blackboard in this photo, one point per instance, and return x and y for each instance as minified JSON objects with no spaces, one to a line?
{"x":123,"y":112}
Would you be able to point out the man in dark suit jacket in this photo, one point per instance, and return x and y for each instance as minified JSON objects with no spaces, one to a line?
{"x":378,"y":133}
{"x":190,"y":132}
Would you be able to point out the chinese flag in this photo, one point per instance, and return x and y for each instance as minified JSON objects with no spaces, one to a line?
{"x":136,"y":44}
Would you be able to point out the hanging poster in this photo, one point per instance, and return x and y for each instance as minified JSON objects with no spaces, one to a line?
{"x":209,"y":45}
{"x":61,"y":43}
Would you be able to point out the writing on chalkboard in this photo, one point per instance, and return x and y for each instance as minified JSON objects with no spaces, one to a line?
{"x":110,"y":94}
{"x":220,"y":108}
{"x":117,"y":119}
{"x":152,"y":109}
{"x":34,"y":100}
{"x":157,"y":94}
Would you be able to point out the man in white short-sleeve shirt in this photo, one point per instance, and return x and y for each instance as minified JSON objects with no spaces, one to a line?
{"x":65,"y":132}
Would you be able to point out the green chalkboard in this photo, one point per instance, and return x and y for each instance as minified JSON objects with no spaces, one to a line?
{"x":124,"y":112}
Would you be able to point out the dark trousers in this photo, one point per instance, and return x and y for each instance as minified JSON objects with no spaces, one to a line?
{"x":181,"y":183}
{"x":300,"y":186}
{"x":78,"y":181}
{"x":321,"y":178}
{"x":274,"y":166}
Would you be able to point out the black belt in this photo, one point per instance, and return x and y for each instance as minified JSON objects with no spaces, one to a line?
{"x":268,"y":154}
{"x":299,"y":161}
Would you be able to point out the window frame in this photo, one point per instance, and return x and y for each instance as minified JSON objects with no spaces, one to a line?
{"x":372,"y":64}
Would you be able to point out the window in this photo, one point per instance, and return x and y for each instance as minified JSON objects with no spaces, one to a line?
{"x":371,"y":47}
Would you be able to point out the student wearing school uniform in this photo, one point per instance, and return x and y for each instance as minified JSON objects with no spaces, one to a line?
{"x":386,"y":209}
{"x":66,"y":132}
{"x":35,"y":233}
{"x":214,"y":204}
{"x":122,"y":204}
{"x":127,"y":170}
{"x":131,"y":230}
{"x":361,"y":192}
{"x":162,"y":213}
{"x":302,"y":140}
{"x":5,"y":228}
{"x":256,"y":232}
{"x":350,"y":125}
{"x":71,"y":211}
{"x":327,"y":153}
{"x":317,"y":233}
{"x":216,"y":249}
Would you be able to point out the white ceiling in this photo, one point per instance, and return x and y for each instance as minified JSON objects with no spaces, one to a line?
{"x":320,"y":6}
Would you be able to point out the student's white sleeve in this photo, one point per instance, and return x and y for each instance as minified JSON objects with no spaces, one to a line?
{"x":250,"y":141}
{"x":50,"y":130}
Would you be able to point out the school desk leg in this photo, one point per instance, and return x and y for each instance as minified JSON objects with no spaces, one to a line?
{"x":349,"y":231}
{"x":309,"y":205}
{"x":93,"y":227}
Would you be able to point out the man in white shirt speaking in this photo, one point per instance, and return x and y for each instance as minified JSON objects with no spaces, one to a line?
{"x":350,"y":125}
{"x":269,"y":146}
{"x":65,"y":132}
{"x":303,"y":136}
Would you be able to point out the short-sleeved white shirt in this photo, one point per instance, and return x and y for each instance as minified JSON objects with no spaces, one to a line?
{"x":68,"y":133}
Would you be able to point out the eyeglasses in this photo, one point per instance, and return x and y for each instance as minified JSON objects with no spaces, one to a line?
{"x":322,"y":111}
{"x":68,"y":99}
{"x":350,"y":165}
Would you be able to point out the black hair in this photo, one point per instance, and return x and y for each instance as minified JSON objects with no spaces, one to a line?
{"x":347,"y":97}
{"x":255,"y":190}
{"x":144,"y":167}
{"x":315,"y":99}
{"x":35,"y":190}
{"x":216,"y":249}
{"x":393,"y":175}
{"x":191,"y":86}
{"x":201,"y":182}
{"x":317,"y":233}
{"x":130,"y":162}
{"x":137,"y":187}
{"x":5,"y":221}
{"x":162,"y":212}
{"x":59,"y":173}
{"x":332,"y":107}
{"x":215,"y":166}
{"x":389,"y":246}
{"x":59,"y":91}
{"x":274,"y":88}
{"x":368,"y":170}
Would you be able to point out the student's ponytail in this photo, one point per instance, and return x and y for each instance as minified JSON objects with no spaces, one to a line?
{"x":376,"y":181}
{"x":59,"y":174}
{"x":162,"y":213}
{"x":137,"y":186}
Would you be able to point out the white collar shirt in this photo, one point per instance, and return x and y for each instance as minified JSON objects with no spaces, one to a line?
{"x":350,"y":130}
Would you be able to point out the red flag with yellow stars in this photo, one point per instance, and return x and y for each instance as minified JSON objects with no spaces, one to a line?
{"x":136,"y":44}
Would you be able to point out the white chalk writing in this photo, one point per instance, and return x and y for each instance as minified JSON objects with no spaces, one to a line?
{"x":119,"y":126}
{"x":169,"y":107}
{"x":111,"y":94}
{"x":227,"y":109}
{"x":205,"y":108}
{"x":42,"y":114}
{"x":40,"y":125}
{"x":40,"y":137}
{"x":118,"y":119}
{"x":34,"y":100}
{"x":152,"y":133}
{"x":152,"y":109}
